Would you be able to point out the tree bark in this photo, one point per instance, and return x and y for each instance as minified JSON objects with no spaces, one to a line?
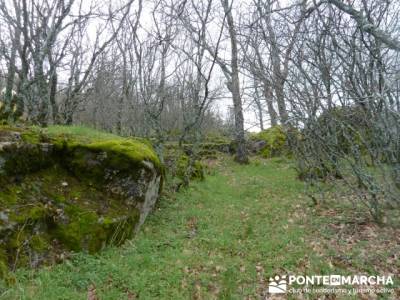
{"x":268,"y":94}
{"x":234,"y":87}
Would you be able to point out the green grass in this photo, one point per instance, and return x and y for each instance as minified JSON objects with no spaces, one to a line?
{"x":220,"y":239}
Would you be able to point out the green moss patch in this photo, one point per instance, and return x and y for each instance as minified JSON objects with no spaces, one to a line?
{"x":135,"y":149}
{"x":75,"y":191}
{"x":206,"y":150}
{"x":197,"y":171}
{"x":51,"y":211}
{"x":275,"y":142}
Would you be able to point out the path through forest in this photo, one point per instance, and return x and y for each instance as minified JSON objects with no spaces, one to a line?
{"x":220,"y":239}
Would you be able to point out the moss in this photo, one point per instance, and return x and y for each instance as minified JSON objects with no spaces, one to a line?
{"x":39,"y":242}
{"x":197,"y":171}
{"x":33,"y":212}
{"x":216,"y":147}
{"x":205,"y":149}
{"x":22,"y":159}
{"x":216,"y":138}
{"x":17,"y":240}
{"x":8,"y":197}
{"x":276,"y":142}
{"x":119,"y":230}
{"x":31,"y":133}
{"x":91,"y":232}
{"x":79,"y":134}
{"x":75,"y":222}
{"x":79,"y":143}
{"x":80,"y":228}
{"x":45,"y":215}
{"x":3,"y":270}
{"x":211,"y":154}
{"x":31,"y":137}
{"x":3,"y":264}
{"x":135,"y":151}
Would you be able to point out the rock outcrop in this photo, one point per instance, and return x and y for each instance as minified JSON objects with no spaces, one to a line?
{"x":271,"y":142}
{"x":61,"y":193}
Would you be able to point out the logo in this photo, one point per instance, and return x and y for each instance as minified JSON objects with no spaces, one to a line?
{"x":277,"y":285}
{"x":335,"y":280}
{"x":281,"y":284}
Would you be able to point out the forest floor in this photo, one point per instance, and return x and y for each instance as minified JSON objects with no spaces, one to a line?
{"x":222,"y":238}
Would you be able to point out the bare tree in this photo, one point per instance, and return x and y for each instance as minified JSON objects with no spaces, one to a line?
{"x":344,"y":98}
{"x":233,"y":84}
{"x":42,"y":32}
{"x":367,"y":25}
{"x":80,"y":70}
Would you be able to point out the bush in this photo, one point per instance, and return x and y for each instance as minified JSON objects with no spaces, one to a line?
{"x":358,"y":144}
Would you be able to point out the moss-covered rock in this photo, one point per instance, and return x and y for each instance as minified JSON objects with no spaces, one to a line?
{"x":205,"y":150}
{"x":61,"y":193}
{"x":269,"y":143}
{"x":196,"y":172}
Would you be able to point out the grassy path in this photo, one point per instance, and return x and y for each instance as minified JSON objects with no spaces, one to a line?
{"x":220,"y":239}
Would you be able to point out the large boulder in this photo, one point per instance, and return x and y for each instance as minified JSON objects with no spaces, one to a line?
{"x":60,"y":193}
{"x":269,"y":143}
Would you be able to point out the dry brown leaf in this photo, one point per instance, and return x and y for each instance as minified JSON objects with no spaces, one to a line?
{"x":92,"y":294}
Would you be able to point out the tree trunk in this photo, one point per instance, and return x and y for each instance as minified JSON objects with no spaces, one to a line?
{"x":8,"y":97}
{"x":234,"y":87}
{"x":260,"y":115}
{"x":52,"y":96}
{"x":41,"y":94}
{"x":280,"y":96}
{"x":268,"y":94}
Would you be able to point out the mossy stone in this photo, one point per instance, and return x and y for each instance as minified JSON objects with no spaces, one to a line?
{"x":57,"y":192}
{"x":275,"y":142}
{"x":197,"y":171}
